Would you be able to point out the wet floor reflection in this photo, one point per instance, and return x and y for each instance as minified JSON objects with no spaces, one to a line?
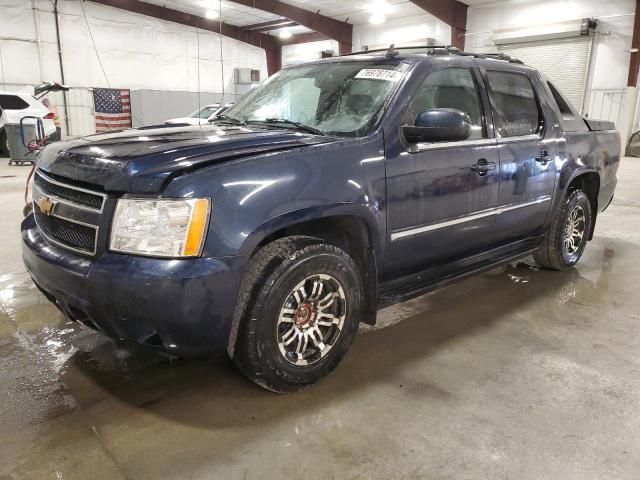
{"x":51,"y":367}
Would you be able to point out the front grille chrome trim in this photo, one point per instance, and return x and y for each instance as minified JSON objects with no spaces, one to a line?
{"x":58,"y":199}
{"x":64,"y":245}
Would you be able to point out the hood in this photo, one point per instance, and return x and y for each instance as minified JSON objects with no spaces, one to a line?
{"x":142,"y":160}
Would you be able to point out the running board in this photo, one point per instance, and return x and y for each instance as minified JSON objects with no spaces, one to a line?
{"x":411,"y":286}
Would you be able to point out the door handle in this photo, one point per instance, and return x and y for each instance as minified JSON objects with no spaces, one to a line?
{"x":543,"y":157}
{"x":482,"y":167}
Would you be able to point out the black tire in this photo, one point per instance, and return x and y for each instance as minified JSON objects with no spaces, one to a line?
{"x":4,"y":144}
{"x":273,"y":275}
{"x":557,"y":251}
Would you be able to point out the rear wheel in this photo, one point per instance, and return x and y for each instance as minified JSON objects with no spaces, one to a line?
{"x":567,"y":237}
{"x":302,"y":311}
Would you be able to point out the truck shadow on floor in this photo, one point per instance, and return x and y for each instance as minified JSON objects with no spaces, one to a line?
{"x":210,"y":393}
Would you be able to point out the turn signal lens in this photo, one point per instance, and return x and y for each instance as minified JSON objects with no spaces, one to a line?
{"x":195,"y":236}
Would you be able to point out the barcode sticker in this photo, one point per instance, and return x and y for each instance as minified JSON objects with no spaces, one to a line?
{"x":379,"y":74}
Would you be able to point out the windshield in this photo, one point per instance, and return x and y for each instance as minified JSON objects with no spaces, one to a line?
{"x":205,"y":112}
{"x":330,"y":98}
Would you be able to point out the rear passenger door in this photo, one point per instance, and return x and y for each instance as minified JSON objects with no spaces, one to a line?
{"x":527,"y":149}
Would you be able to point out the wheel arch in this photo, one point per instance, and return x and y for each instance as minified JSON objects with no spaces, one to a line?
{"x":346,"y":228}
{"x":353,"y":228}
{"x":589,"y":182}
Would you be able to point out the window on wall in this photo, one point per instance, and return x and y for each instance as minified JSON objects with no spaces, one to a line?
{"x":449,"y":88}
{"x":515,"y":107}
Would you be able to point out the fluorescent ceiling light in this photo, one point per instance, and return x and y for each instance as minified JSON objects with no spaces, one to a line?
{"x":284,"y":34}
{"x":211,"y":14}
{"x":377,"y":18}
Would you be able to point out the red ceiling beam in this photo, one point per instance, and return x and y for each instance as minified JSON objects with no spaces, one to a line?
{"x":304,"y":38}
{"x":451,"y":12}
{"x":634,"y":61}
{"x":258,"y":39}
{"x":342,"y":32}
{"x":272,"y":25}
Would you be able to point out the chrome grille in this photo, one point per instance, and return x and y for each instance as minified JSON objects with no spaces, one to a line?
{"x":66,"y":233}
{"x":66,"y":215}
{"x":62,"y":192}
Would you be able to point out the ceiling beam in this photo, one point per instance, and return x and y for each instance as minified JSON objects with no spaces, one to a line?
{"x":451,"y":12}
{"x":272,"y":25}
{"x":334,"y":29}
{"x":304,"y":38}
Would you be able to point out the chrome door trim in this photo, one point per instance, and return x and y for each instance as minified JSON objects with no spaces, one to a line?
{"x":468,"y":218}
{"x":520,"y":138}
{"x":481,"y":142}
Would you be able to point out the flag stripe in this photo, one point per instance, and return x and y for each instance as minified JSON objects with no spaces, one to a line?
{"x":113,"y":117}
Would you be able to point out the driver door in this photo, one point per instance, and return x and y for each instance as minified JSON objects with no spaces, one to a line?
{"x":442,"y":196}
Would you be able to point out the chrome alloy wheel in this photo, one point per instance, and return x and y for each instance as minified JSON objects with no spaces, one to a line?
{"x":311,"y":319}
{"x":574,"y":230}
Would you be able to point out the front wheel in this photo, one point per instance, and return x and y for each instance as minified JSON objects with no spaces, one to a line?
{"x":567,"y":237}
{"x":302,"y":310}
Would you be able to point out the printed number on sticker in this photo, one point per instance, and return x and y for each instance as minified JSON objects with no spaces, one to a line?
{"x":379,"y":74}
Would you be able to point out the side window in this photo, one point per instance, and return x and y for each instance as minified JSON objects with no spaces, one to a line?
{"x":516,"y":110}
{"x":449,"y":88}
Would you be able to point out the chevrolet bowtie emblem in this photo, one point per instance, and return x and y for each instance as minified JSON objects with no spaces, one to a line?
{"x":45,"y":205}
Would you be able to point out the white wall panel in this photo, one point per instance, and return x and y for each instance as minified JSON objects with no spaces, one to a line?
{"x":137,"y":52}
{"x":402,"y":31}
{"x":307,"y":52}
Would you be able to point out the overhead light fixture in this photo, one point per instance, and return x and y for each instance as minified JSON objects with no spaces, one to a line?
{"x":211,"y":14}
{"x":285,"y":34}
{"x":377,"y":18}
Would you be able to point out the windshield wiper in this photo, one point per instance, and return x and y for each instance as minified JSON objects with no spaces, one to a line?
{"x":227,"y":118}
{"x":298,"y":125}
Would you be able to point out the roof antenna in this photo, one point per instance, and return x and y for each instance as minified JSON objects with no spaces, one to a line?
{"x":392,"y":52}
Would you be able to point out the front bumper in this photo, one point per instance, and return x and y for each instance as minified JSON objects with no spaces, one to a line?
{"x":183,"y":306}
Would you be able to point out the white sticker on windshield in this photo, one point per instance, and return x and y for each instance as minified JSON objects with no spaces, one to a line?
{"x":379,"y":74}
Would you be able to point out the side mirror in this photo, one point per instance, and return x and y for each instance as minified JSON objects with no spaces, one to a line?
{"x":439,"y":125}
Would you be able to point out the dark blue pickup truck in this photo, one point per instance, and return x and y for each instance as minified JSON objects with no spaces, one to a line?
{"x":331,"y":189}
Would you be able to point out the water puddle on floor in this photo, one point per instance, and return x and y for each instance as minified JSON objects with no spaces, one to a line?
{"x":51,"y":367}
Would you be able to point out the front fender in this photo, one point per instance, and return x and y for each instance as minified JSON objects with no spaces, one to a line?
{"x":368,"y":213}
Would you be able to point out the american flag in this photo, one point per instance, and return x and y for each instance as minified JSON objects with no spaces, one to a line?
{"x":113,"y":109}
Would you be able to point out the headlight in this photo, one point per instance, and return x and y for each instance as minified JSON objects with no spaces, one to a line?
{"x":160,"y":227}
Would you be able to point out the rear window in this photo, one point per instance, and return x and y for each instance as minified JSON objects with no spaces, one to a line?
{"x":12,"y":102}
{"x":516,"y":110}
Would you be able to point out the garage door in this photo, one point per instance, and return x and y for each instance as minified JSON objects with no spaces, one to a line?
{"x":564,"y":61}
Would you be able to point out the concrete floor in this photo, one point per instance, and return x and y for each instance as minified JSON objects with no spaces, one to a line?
{"x":514,"y":374}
